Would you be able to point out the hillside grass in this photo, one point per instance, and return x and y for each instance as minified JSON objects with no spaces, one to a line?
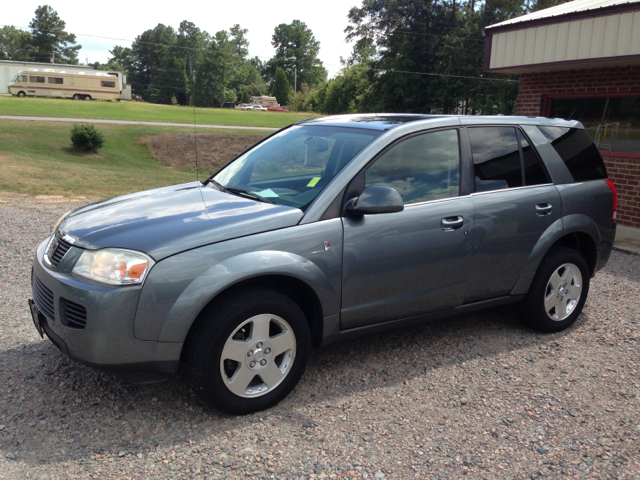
{"x":147,"y":112}
{"x":36,"y":158}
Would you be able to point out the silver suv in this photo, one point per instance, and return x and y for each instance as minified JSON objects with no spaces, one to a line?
{"x":327,"y":230}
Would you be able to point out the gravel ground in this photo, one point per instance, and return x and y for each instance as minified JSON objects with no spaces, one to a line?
{"x":477,"y":396}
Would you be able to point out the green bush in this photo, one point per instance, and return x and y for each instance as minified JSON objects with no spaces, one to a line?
{"x":86,"y":138}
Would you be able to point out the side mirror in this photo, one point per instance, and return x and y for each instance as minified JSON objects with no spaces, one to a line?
{"x":375,"y":199}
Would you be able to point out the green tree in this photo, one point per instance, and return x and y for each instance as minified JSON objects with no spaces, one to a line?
{"x":157,"y":72}
{"x":49,"y":38}
{"x":349,"y":92}
{"x":14,"y":43}
{"x":296,"y":50}
{"x":425,"y":48}
{"x":281,"y":87}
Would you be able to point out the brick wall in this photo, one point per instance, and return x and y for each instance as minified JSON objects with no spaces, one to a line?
{"x":624,"y":169}
{"x":534,"y":87}
{"x":624,"y":172}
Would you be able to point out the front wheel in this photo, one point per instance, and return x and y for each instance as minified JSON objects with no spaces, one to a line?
{"x":249,"y":352}
{"x":22,"y":94}
{"x":558,"y":292}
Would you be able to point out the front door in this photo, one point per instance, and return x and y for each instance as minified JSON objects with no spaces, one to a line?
{"x":404,"y":264}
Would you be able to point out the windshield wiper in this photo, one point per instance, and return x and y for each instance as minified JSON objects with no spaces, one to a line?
{"x":242,"y":191}
{"x":218,"y":186}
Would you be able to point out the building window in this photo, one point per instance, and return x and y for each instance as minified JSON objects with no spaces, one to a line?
{"x":613,"y":123}
{"x":56,"y":80}
{"x":33,"y":79}
{"x":107,"y":84}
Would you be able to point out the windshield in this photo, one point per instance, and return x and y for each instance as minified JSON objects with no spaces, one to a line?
{"x":15,"y":79}
{"x":293,"y":166}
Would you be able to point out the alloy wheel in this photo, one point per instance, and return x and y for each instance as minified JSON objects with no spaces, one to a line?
{"x":258,"y":356}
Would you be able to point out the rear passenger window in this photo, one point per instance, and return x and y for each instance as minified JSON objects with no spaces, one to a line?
{"x":496,"y":158}
{"x":577,"y":151}
{"x":34,"y":79}
{"x":422,"y":168}
{"x":534,"y":172}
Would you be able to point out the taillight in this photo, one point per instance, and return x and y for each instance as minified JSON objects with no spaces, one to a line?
{"x":615,"y":199}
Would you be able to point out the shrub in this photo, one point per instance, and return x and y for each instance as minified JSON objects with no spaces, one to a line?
{"x":86,"y":138}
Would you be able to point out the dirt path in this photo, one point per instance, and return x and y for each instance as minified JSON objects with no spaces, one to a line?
{"x":130,"y":122}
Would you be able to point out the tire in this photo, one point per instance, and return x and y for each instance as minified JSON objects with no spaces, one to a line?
{"x":76,"y":97}
{"x":87,"y":97}
{"x":22,"y":94}
{"x":255,"y":334}
{"x":558,"y":292}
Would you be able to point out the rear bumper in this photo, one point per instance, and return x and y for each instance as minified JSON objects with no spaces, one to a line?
{"x":106,"y":341}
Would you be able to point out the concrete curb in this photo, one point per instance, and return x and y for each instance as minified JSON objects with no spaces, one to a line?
{"x":628,"y":249}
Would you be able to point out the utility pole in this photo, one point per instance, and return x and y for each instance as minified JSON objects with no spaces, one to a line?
{"x":295,"y":79}
{"x":53,"y":57}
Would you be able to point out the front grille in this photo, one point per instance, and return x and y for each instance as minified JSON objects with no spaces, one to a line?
{"x":72,"y":315}
{"x":60,"y":251}
{"x":43,"y":298}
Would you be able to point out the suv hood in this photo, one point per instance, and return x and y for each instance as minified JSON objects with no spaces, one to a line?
{"x":169,"y":220}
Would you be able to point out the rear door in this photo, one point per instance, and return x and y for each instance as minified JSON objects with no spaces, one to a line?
{"x":514,"y":201}
{"x":399,"y":265}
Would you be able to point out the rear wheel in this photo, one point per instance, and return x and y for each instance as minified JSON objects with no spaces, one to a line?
{"x":559,"y":290}
{"x":22,"y":94}
{"x":76,"y":97}
{"x":249,"y":352}
{"x":87,"y":97}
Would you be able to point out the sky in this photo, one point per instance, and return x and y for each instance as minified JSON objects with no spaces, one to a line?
{"x":327,"y":19}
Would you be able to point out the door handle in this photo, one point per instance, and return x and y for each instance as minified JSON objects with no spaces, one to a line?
{"x":543,"y":209}
{"x":452,"y":223}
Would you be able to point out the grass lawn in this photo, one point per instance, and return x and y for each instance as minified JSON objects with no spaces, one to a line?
{"x":36,"y":158}
{"x":52,"y":107}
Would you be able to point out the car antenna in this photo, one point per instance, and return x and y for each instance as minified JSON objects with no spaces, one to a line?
{"x":193,"y":103}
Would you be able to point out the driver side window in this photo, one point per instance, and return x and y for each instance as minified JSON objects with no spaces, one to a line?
{"x":422,"y":168}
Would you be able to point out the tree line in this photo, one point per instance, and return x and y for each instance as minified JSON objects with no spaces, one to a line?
{"x":420,"y":56}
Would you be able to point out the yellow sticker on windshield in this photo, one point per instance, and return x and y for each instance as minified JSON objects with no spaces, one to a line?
{"x":313,"y":181}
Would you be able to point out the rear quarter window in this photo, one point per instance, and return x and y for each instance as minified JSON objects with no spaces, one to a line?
{"x":577,"y":151}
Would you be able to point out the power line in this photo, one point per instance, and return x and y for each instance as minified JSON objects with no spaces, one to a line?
{"x":444,"y":75}
{"x":209,"y":52}
{"x":441,"y":36}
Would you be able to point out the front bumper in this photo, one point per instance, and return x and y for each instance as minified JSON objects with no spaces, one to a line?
{"x":106,"y":340}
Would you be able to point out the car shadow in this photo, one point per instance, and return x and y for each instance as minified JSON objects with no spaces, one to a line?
{"x":61,"y":410}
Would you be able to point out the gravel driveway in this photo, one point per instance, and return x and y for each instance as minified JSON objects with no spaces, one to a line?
{"x":477,"y":396}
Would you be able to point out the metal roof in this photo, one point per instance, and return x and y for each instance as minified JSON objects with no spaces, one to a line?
{"x":575,"y":6}
{"x":44,"y":64}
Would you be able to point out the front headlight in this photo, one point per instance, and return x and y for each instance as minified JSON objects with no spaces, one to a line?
{"x":113,"y":266}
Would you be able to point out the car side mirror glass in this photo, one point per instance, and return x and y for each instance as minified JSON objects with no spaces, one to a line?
{"x":376,"y":199}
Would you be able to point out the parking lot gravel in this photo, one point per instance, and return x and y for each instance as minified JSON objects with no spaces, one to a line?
{"x":478,"y":396}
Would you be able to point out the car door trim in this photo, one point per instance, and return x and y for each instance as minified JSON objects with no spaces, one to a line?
{"x":526,"y":187}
